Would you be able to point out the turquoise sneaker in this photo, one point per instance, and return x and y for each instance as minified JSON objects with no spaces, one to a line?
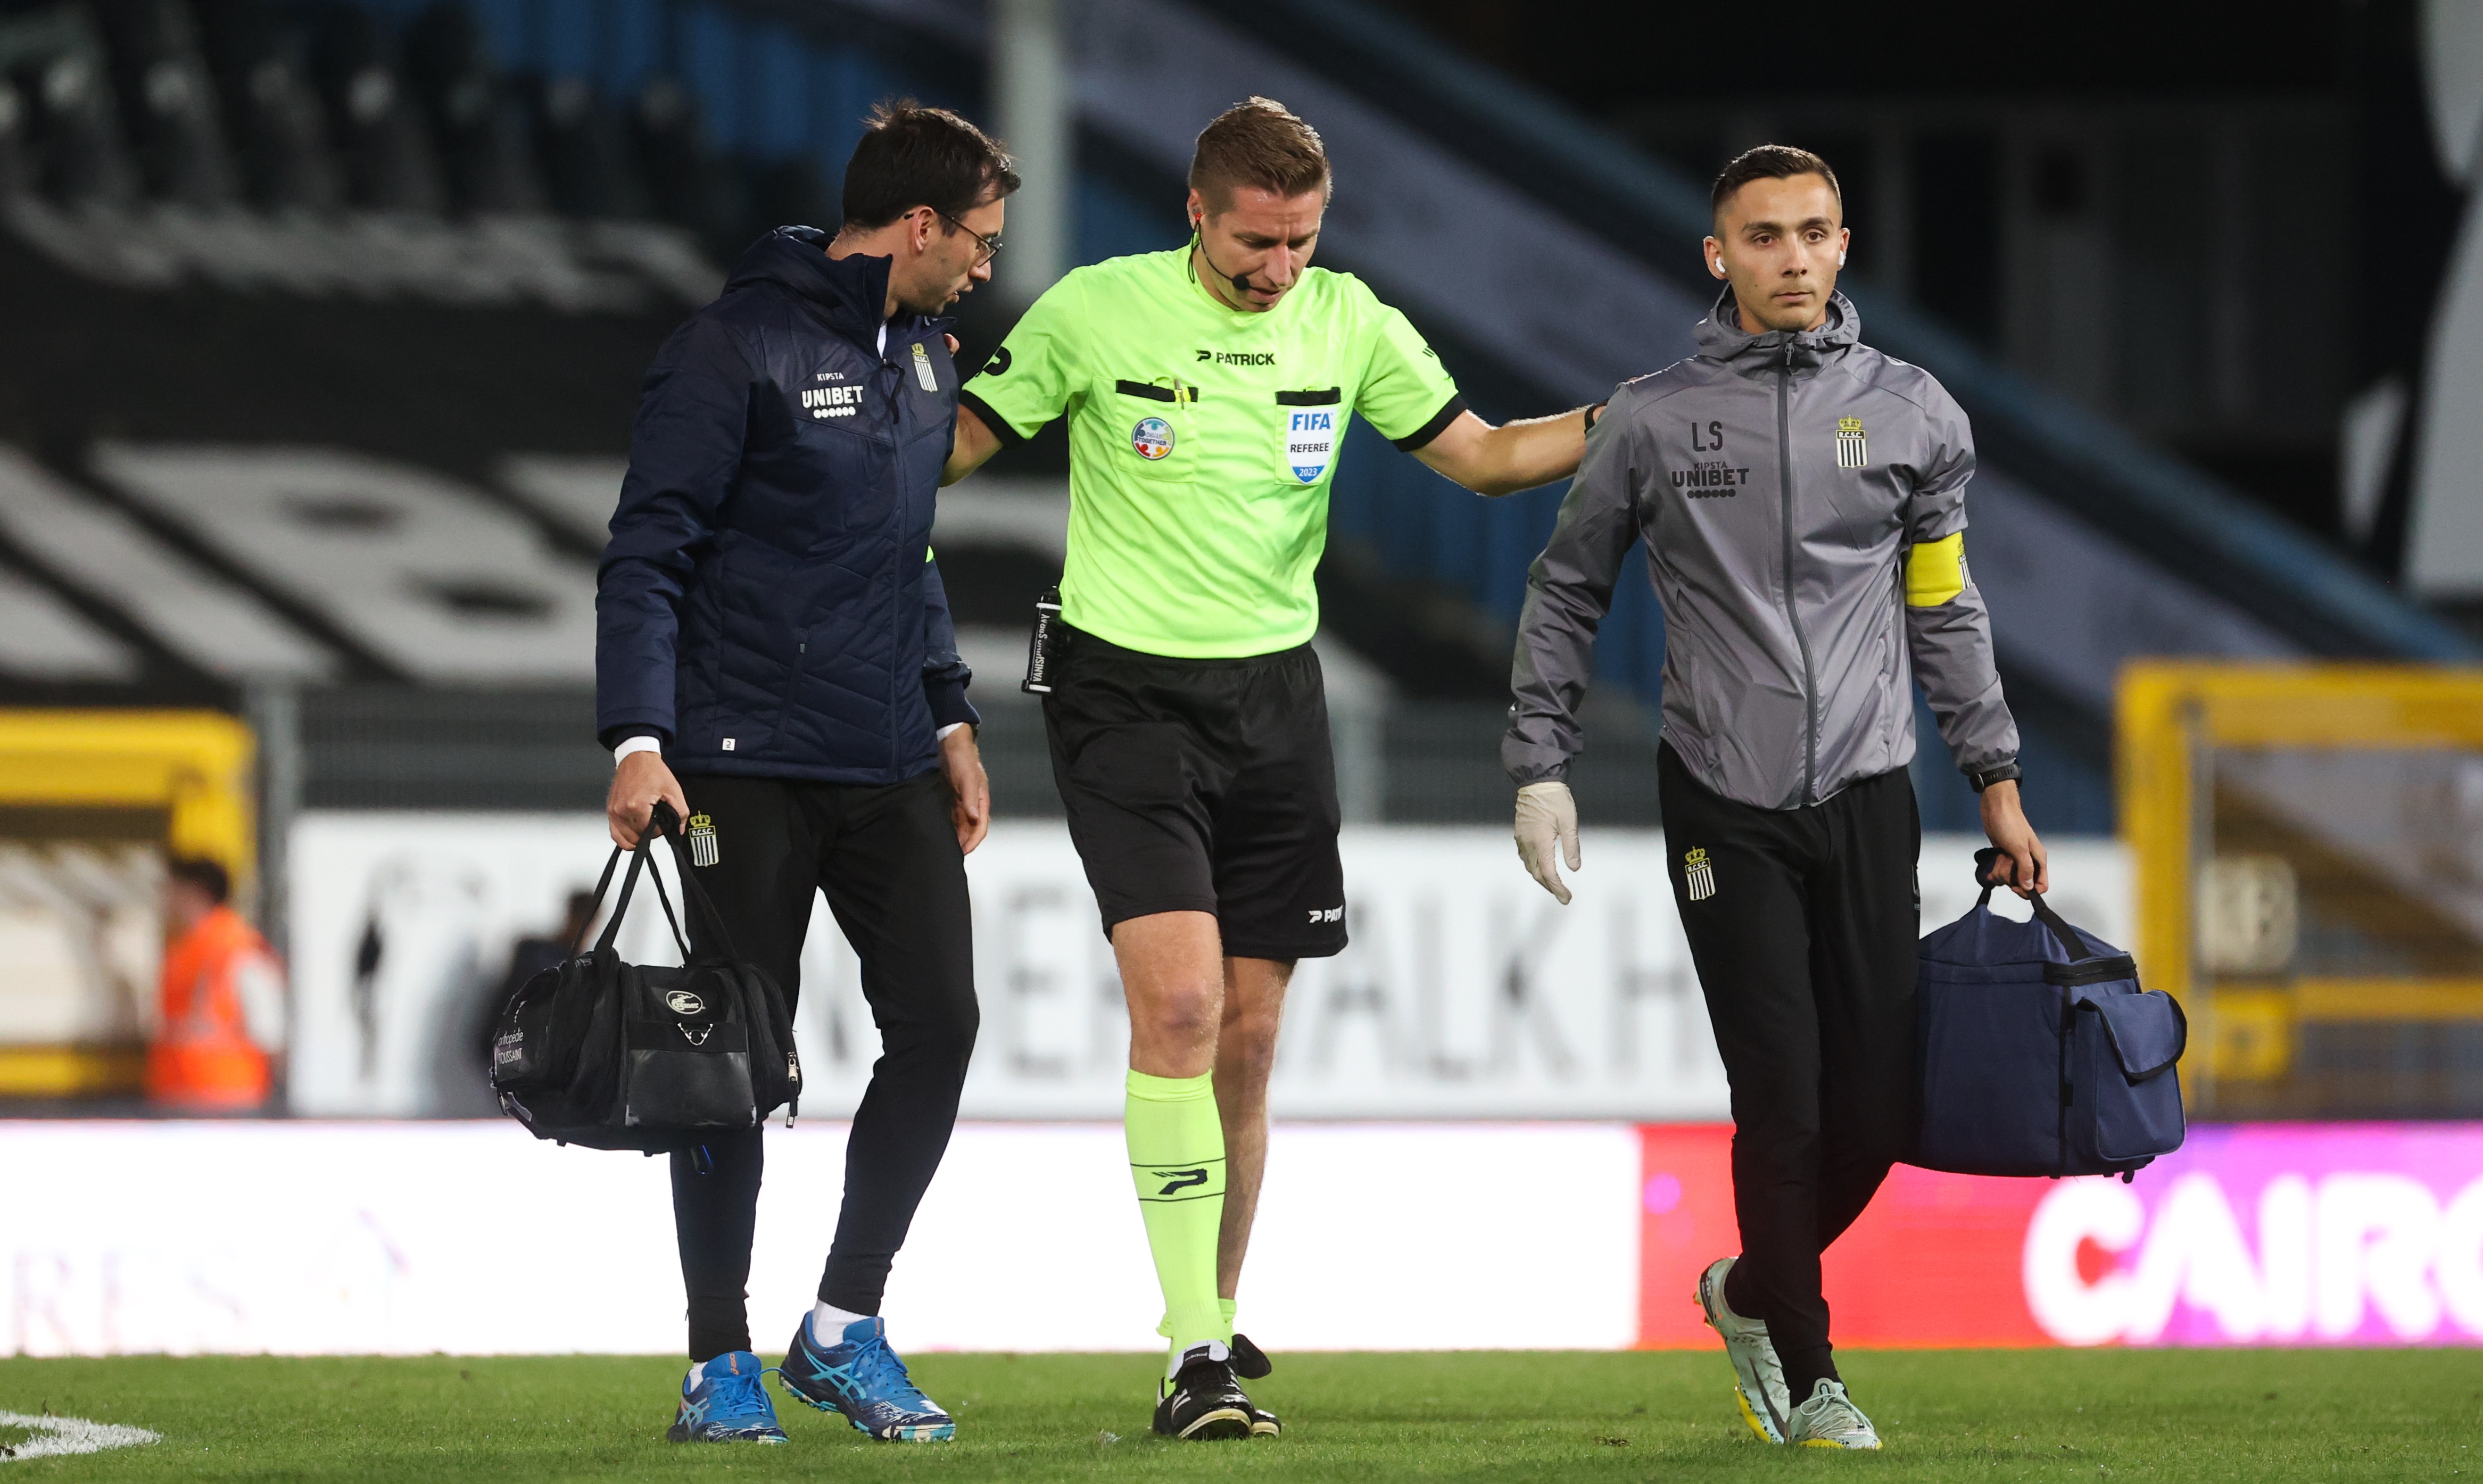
{"x":863,"y":1378}
{"x":727,"y":1404}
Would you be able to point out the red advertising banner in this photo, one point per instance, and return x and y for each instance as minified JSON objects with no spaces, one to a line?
{"x":2270,"y":1234}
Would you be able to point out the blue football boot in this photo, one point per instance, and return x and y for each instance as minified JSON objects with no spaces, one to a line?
{"x":863,"y":1378}
{"x":726,"y":1405}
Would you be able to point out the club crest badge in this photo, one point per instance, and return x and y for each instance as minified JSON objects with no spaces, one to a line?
{"x":1699,"y":874}
{"x":1152,"y":438}
{"x":683,"y":1002}
{"x":1852,"y":451}
{"x":701,"y":830}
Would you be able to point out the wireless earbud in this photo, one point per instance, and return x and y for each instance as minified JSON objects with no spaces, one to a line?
{"x":1840,"y":259}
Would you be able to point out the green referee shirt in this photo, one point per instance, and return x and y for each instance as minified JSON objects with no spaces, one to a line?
{"x":1202,"y":439}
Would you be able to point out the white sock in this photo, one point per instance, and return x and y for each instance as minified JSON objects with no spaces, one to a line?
{"x":698,"y":1373}
{"x":828,"y":1322}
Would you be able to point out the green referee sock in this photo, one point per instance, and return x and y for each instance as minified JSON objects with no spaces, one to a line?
{"x":1230,"y":1306}
{"x":1177,"y":1160}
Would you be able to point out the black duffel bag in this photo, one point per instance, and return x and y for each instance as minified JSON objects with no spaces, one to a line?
{"x":2041,"y":1054}
{"x":616,"y":1055}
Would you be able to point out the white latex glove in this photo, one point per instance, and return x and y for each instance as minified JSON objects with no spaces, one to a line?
{"x":1546,"y":815}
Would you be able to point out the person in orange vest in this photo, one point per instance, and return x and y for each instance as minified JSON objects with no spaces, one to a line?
{"x":220,"y":1022}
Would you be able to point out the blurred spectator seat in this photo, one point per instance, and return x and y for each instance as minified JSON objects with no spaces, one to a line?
{"x":260,"y":68}
{"x":586,"y":150}
{"x":373,"y":120}
{"x":478,"y":124}
{"x":56,"y":61}
{"x":168,"y":101}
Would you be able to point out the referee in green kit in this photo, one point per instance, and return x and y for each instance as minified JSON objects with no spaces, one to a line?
{"x":1206,"y":391}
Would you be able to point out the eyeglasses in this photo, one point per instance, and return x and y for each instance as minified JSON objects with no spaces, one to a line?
{"x":988,"y":247}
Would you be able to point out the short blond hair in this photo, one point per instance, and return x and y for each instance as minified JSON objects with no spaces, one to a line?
{"x":1257,"y":142}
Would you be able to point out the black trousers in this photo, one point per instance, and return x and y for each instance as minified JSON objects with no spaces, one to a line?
{"x":1802,"y":924}
{"x":888,"y":860}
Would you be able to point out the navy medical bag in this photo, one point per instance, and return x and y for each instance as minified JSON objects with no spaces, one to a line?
{"x":2041,"y":1056}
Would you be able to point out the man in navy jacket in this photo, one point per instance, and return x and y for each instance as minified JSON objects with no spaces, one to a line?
{"x":774,"y":657}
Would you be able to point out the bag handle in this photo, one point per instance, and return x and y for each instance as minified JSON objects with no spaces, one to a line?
{"x":602,"y":883}
{"x":694,"y":895}
{"x":1986,"y":860}
{"x":640,"y":858}
{"x":675,"y":923}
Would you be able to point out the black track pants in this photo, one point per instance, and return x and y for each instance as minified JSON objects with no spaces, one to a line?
{"x":1803,"y":923}
{"x":888,"y":860}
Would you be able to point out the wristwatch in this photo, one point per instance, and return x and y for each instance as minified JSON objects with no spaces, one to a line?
{"x":1998,"y":773}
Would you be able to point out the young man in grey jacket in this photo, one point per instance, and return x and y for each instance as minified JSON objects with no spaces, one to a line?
{"x":1803,"y":501}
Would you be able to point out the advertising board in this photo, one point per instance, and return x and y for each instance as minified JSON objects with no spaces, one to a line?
{"x":1467,"y":991}
{"x":307,"y":1237}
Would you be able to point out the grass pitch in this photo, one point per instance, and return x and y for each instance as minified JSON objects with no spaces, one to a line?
{"x":1945,"y":1415}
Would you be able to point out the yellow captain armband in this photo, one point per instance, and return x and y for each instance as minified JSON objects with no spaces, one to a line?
{"x":1935,"y":572}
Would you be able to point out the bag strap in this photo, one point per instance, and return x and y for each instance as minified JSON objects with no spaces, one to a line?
{"x":675,"y":923}
{"x":693,"y":893}
{"x":640,"y":858}
{"x":1986,"y":860}
{"x":602,"y":883}
{"x":620,"y":908}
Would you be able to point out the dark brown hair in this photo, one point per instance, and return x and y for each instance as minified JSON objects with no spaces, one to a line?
{"x":1770,"y":162}
{"x":204,"y":874}
{"x":1257,"y":142}
{"x":915,"y":156}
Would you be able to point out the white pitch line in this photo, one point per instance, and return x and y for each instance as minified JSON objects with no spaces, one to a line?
{"x":57,"y":1434}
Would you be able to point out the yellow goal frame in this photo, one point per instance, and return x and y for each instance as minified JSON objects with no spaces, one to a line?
{"x":196,"y":766}
{"x":2170,"y":712}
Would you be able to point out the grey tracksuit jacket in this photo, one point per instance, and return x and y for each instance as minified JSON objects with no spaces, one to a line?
{"x":1781,"y":482}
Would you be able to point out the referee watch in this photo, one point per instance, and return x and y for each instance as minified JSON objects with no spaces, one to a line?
{"x":1998,"y":773}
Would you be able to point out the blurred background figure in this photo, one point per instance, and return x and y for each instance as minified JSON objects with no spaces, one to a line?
{"x":220,"y":1022}
{"x":466,"y":1085}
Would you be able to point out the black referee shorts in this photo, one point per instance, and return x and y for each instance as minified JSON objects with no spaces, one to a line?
{"x":1202,"y":786}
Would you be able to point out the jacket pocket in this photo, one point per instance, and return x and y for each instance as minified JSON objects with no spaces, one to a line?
{"x":856,"y":472}
{"x":757,"y":656}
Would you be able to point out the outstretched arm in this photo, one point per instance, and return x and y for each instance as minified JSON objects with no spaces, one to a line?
{"x":975,"y":444}
{"x":1511,"y":457}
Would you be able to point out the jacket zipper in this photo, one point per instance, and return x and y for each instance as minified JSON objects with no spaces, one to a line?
{"x":1801,"y":641}
{"x":897,"y":523}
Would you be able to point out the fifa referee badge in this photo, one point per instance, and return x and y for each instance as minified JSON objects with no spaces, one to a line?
{"x":702,"y":833}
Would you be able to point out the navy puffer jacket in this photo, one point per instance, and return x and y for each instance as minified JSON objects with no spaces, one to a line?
{"x":768,"y":604}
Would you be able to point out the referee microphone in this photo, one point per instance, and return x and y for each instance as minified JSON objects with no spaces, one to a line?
{"x":1241,"y":281}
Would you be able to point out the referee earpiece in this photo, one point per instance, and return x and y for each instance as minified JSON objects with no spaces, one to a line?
{"x":1840,"y":259}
